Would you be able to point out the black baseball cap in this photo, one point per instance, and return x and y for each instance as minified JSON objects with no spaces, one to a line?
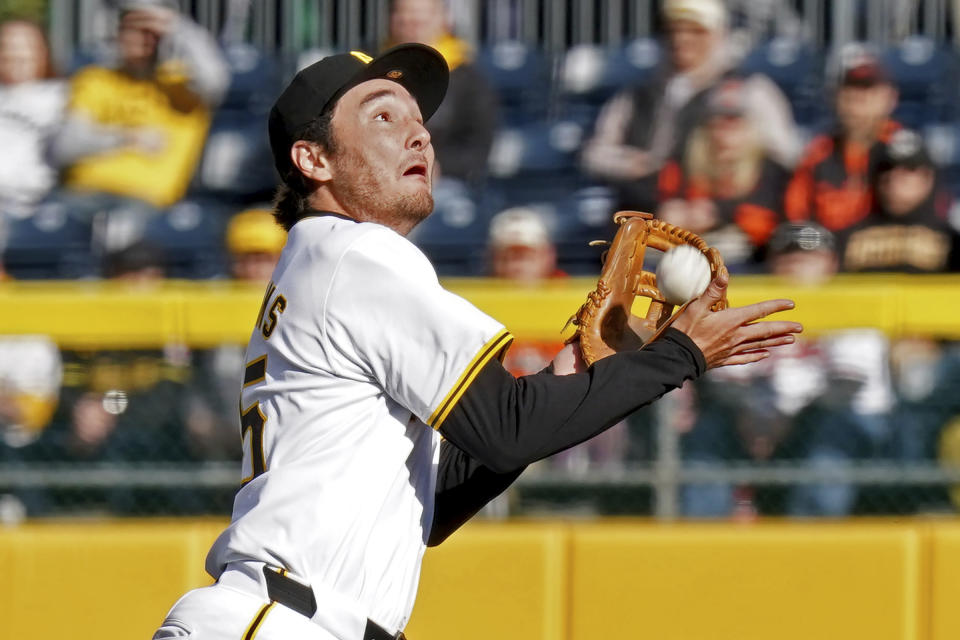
{"x":316,"y":89}
{"x":863,"y":69}
{"x":905,"y":148}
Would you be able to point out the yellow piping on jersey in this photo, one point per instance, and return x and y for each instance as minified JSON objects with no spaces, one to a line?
{"x":497,"y":346}
{"x":251,"y":632}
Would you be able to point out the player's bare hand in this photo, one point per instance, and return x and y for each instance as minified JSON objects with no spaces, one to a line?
{"x":734,"y":335}
{"x":569,"y":360}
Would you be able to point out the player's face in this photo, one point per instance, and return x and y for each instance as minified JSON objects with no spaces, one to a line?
{"x":383,"y":162}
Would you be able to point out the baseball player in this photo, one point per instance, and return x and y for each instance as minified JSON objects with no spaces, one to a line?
{"x":375,"y":413}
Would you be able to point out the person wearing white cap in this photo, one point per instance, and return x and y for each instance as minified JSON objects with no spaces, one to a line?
{"x":520,"y":247}
{"x":641,"y":127}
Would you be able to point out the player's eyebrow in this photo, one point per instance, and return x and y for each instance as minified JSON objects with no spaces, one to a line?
{"x":376,"y":95}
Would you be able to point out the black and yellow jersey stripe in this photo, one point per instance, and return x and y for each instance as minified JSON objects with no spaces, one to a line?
{"x":496,"y":347}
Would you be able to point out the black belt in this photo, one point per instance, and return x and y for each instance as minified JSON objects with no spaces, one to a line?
{"x":300,"y":598}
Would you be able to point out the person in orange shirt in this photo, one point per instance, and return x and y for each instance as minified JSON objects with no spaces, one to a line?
{"x":726,"y":186}
{"x":832,"y":184}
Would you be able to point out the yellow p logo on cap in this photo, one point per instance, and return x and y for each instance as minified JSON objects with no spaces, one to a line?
{"x":361,"y":56}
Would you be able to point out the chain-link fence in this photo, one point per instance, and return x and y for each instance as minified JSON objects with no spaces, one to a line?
{"x":849,"y":422}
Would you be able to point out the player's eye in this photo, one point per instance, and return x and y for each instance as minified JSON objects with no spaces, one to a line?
{"x":383,"y":116}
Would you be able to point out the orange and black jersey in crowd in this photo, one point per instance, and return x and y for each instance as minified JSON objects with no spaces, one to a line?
{"x":921,"y":241}
{"x":757,"y":213}
{"x":833,"y":183}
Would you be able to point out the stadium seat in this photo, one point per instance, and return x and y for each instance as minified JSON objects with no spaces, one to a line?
{"x":236,"y":162}
{"x":798,"y":69}
{"x":927,"y":75}
{"x":590,"y":75}
{"x":521,"y":76}
{"x":190,"y":236}
{"x":575,"y":214}
{"x":50,"y":244}
{"x":542,"y":147}
{"x":454,"y":237}
{"x":255,"y":80}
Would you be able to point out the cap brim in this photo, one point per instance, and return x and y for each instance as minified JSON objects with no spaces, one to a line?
{"x":420,"y":69}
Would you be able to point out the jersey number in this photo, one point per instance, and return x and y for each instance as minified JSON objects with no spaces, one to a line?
{"x":253,"y":420}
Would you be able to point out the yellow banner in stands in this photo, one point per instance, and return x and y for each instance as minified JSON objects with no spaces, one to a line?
{"x":202,"y":314}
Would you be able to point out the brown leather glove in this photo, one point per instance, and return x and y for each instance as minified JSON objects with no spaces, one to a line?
{"x":604,"y":322}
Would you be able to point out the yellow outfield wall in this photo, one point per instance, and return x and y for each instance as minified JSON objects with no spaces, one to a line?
{"x":202,"y":314}
{"x":545,"y":580}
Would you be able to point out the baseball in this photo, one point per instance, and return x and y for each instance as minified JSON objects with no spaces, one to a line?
{"x":683,"y":274}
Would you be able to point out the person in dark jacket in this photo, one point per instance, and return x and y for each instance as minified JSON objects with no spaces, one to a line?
{"x":907,"y":230}
{"x":641,"y":128}
{"x":832,"y":184}
{"x":726,"y":186}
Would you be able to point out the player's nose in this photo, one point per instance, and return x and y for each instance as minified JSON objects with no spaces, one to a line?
{"x":419,"y":136}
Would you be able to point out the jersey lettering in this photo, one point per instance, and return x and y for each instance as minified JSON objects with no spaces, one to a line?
{"x":276,"y":309}
{"x":263,"y":305}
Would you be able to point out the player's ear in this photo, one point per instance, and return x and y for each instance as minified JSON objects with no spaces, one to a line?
{"x":311,"y":160}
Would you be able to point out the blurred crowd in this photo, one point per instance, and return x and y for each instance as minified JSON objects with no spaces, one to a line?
{"x":151,"y":163}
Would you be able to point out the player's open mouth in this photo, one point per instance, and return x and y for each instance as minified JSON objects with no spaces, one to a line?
{"x":416,"y":170}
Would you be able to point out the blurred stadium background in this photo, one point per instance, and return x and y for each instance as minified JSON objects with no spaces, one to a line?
{"x":121,"y":341}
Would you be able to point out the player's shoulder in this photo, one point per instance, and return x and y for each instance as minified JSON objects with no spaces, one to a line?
{"x":335,"y":237}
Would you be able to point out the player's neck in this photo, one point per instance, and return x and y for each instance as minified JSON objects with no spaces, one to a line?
{"x":325,"y":200}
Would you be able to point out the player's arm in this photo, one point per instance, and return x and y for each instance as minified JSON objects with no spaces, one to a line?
{"x":464,"y":486}
{"x":506,"y":423}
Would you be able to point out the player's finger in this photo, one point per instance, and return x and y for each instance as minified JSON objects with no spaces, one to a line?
{"x":766,"y":330}
{"x":744,"y":358}
{"x":759,"y":310}
{"x":715,"y":290}
{"x":769,"y":343}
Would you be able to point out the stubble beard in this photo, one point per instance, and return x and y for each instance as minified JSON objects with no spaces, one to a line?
{"x":365,"y":200}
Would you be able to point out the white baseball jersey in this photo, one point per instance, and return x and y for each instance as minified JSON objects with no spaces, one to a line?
{"x":356,"y":349}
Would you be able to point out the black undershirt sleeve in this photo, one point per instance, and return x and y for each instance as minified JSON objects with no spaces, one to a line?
{"x":502,"y":423}
{"x":464,"y":486}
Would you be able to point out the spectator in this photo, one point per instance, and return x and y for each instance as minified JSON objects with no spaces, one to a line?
{"x":522,"y":252}
{"x":726,"y":187}
{"x":462,"y":129}
{"x":254,"y":241}
{"x":833,"y":182}
{"x":850,"y":420}
{"x":31,"y":109}
{"x":521,"y":249}
{"x":136,"y":132}
{"x":641,"y":128}
{"x":825,"y":402}
{"x":118,"y":406}
{"x":29,"y":384}
{"x":907,"y":230}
